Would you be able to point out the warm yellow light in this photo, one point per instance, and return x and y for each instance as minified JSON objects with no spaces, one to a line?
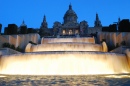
{"x":64,"y":63}
{"x":118,"y":76}
{"x":64,"y":47}
{"x":1,"y":76}
{"x":64,"y":32}
{"x":70,"y":32}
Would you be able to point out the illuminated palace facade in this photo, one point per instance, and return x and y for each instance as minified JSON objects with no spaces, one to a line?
{"x":70,"y":26}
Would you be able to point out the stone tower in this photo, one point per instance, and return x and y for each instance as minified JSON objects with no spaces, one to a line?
{"x":44,"y":23}
{"x":44,"y":27}
{"x":97,"y":22}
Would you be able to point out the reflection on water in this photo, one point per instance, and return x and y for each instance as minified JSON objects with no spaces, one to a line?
{"x":87,"y":80}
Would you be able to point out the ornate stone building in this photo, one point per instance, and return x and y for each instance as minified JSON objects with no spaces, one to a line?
{"x":44,"y":30}
{"x":70,"y":26}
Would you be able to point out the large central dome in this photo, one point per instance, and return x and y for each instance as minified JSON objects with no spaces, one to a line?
{"x":70,"y":15}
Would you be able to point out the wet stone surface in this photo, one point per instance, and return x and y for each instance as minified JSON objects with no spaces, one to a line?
{"x":87,"y":80}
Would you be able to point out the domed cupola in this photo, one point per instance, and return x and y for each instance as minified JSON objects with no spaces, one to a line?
{"x":70,"y":16}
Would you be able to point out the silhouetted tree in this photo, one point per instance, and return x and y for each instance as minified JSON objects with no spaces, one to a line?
{"x":30,"y":30}
{"x":6,"y":45}
{"x":5,"y":30}
{"x":11,"y":29}
{"x":23,"y":29}
{"x":105,"y":29}
{"x":123,"y":43}
{"x":35,"y":31}
{"x":12,"y":46}
{"x":41,"y":32}
{"x":19,"y":49}
{"x":124,"y":25}
{"x":113,"y":28}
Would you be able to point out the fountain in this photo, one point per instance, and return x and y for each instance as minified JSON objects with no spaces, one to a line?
{"x":66,"y":47}
{"x":65,"y":57}
{"x":57,"y":40}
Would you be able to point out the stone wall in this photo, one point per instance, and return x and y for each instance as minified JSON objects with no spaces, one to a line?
{"x":8,"y":51}
{"x":3,"y":39}
{"x":121,"y":49}
{"x":20,"y":40}
{"x":114,"y":39}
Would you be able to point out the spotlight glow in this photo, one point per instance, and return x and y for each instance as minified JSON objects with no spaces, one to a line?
{"x":64,"y":63}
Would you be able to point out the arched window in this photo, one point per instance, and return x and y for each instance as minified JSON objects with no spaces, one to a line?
{"x":70,"y":32}
{"x":63,"y":32}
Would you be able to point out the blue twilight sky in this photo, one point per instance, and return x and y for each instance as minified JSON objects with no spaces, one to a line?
{"x":32,"y":11}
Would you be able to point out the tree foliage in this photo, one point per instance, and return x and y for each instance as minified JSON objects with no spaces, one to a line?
{"x":7,"y":45}
{"x":11,"y":29}
{"x":113,"y":28}
{"x":23,"y":30}
{"x":31,"y":30}
{"x":124,"y":25}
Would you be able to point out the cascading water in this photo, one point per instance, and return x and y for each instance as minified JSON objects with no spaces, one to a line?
{"x":67,"y":59}
{"x":64,"y":47}
{"x":64,"y":63}
{"x":57,"y":40}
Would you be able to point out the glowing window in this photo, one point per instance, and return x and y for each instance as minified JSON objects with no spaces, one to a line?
{"x":70,"y":32}
{"x":76,"y":32}
{"x":63,"y":32}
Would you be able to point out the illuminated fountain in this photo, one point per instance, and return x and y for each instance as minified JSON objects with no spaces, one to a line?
{"x":63,"y":61}
{"x":57,"y":40}
{"x":66,"y":47}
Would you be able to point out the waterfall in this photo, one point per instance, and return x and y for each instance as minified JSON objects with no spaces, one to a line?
{"x":56,"y":40}
{"x":64,"y":63}
{"x":65,"y":47}
{"x":65,"y":56}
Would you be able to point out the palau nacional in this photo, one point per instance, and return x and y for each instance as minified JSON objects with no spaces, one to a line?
{"x":68,"y":48}
{"x":71,"y":26}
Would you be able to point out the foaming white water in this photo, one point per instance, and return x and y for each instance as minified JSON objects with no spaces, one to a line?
{"x":56,"y":40}
{"x":64,"y":63}
{"x":64,"y":47}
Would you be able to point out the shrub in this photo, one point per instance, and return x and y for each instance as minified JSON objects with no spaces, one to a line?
{"x":12,"y":46}
{"x":6,"y":45}
{"x":19,"y":49}
{"x":123,"y":43}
